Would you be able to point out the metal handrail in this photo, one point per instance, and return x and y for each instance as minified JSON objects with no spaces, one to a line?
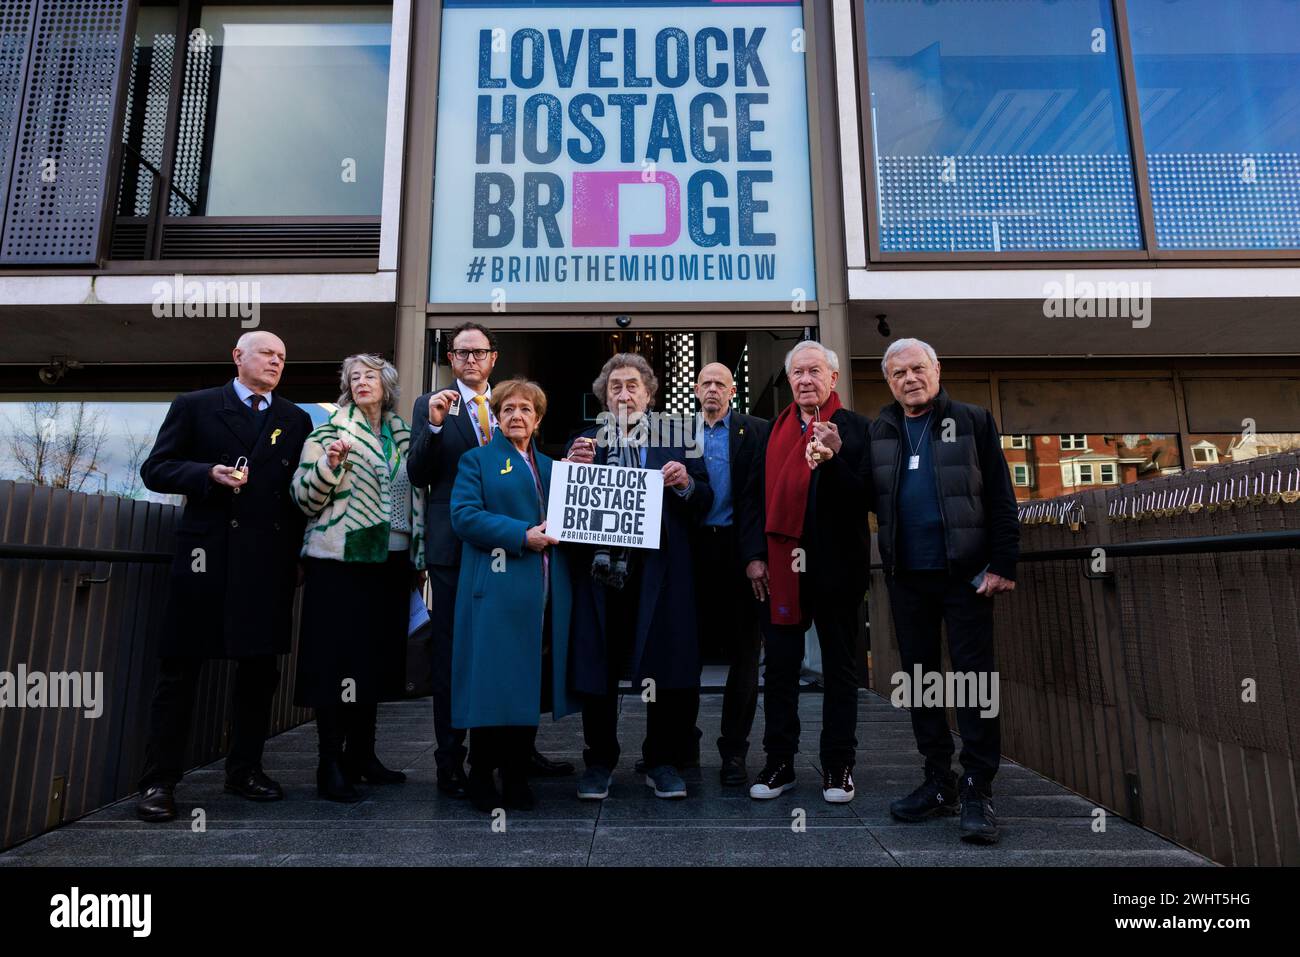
{"x":1204,"y":544}
{"x":67,"y":553}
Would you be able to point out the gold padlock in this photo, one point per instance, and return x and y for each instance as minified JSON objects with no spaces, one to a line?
{"x":1274,"y":493}
{"x":1292,"y":493}
{"x":241,"y":463}
{"x":1196,"y":504}
{"x":1257,"y":496}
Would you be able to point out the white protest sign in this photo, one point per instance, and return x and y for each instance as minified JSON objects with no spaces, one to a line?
{"x":605,"y":505}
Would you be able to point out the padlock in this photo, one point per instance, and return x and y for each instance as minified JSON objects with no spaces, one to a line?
{"x":1196,"y":504}
{"x":1274,"y":493}
{"x":1292,"y":493}
{"x":1257,"y":490}
{"x":241,"y":463}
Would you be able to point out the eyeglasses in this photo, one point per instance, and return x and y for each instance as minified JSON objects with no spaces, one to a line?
{"x":464,"y":354}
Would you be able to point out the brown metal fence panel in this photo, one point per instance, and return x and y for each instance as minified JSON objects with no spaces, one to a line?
{"x":59,"y":615}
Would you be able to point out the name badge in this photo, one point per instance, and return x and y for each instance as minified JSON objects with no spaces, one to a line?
{"x":913,"y":463}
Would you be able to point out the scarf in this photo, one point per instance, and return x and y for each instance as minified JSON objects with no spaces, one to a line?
{"x":613,"y":566}
{"x":786,"y":497}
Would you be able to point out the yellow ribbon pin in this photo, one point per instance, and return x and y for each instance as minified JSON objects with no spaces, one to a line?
{"x":507,"y":469}
{"x":275,"y":435}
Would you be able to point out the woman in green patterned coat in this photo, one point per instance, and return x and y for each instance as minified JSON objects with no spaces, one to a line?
{"x":362,"y":553}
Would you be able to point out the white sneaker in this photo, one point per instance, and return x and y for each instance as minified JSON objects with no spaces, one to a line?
{"x":775,"y":779}
{"x":837,"y":785}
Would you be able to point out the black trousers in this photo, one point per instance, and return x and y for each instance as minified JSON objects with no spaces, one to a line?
{"x":836,"y":619}
{"x":669,"y":720}
{"x":726,"y":606}
{"x":921,"y":603}
{"x":449,"y":753}
{"x":347,"y":731}
{"x":173,"y":709}
{"x":506,"y":748}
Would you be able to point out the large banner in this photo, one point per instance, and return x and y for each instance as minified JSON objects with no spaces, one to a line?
{"x":634,"y":152}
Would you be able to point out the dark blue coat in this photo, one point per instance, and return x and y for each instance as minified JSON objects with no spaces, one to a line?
{"x":667,"y":644}
{"x":496,"y":664}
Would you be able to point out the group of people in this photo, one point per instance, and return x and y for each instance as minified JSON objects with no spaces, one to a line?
{"x":764,"y":533}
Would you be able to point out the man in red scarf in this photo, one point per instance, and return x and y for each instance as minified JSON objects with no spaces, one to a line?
{"x":815,"y":516}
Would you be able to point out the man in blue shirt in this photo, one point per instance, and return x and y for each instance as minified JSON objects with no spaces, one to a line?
{"x":730,"y":581}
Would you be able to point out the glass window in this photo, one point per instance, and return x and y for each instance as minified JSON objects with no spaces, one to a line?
{"x":284,"y":112}
{"x":1056,"y":465}
{"x":1211,"y":449}
{"x":89,"y":445}
{"x":1219,"y":87}
{"x":999,"y":126}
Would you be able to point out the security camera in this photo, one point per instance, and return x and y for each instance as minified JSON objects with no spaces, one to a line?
{"x":623,"y":321}
{"x":882,"y":327}
{"x":57,"y":369}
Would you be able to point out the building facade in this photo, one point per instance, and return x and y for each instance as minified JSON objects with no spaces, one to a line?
{"x":1091,"y":208}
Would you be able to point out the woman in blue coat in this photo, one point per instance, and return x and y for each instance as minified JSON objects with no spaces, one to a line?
{"x":511,"y":639}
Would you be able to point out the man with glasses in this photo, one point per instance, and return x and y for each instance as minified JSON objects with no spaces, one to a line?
{"x":445,"y":425}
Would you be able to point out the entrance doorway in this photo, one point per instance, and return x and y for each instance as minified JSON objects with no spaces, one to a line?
{"x":565,"y":364}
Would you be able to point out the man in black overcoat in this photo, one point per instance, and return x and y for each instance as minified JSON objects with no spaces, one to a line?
{"x":231,"y":451}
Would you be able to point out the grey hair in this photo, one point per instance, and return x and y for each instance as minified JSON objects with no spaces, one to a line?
{"x":625,"y":360}
{"x":832,"y":359}
{"x":898,"y":345}
{"x":387,"y":377}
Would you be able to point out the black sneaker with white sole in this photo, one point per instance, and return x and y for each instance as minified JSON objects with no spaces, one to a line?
{"x":775,"y":779}
{"x":837,"y":785}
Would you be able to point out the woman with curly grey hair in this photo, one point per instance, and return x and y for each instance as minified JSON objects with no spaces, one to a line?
{"x":636,"y":607}
{"x":362,"y":551}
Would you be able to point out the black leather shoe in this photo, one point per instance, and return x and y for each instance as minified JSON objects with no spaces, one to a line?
{"x":453,"y":783}
{"x":482,"y":789}
{"x":157,"y":804}
{"x":733,"y":771}
{"x":540,"y":766}
{"x":254,"y":785}
{"x":516,"y":794}
{"x":978,"y":823}
{"x":372,"y":771}
{"x":935,"y":796}
{"x":333,"y":785}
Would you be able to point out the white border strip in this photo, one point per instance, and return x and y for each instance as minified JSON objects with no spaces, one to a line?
{"x":978,"y":284}
{"x":846,"y":90}
{"x":395,"y":135}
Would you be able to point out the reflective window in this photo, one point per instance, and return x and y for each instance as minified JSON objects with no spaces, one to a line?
{"x":999,"y":126}
{"x":284,"y":112}
{"x":1213,"y":449}
{"x":92,"y":446}
{"x":1219,"y":86}
{"x":1050,"y":465}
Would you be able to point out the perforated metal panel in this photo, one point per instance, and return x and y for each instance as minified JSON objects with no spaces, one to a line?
{"x":193,"y":132}
{"x":16,"y":18}
{"x":679,"y":390}
{"x":145,"y":127}
{"x":63,"y":148}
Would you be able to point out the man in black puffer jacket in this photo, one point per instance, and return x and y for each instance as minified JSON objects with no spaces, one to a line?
{"x":949,"y":540}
